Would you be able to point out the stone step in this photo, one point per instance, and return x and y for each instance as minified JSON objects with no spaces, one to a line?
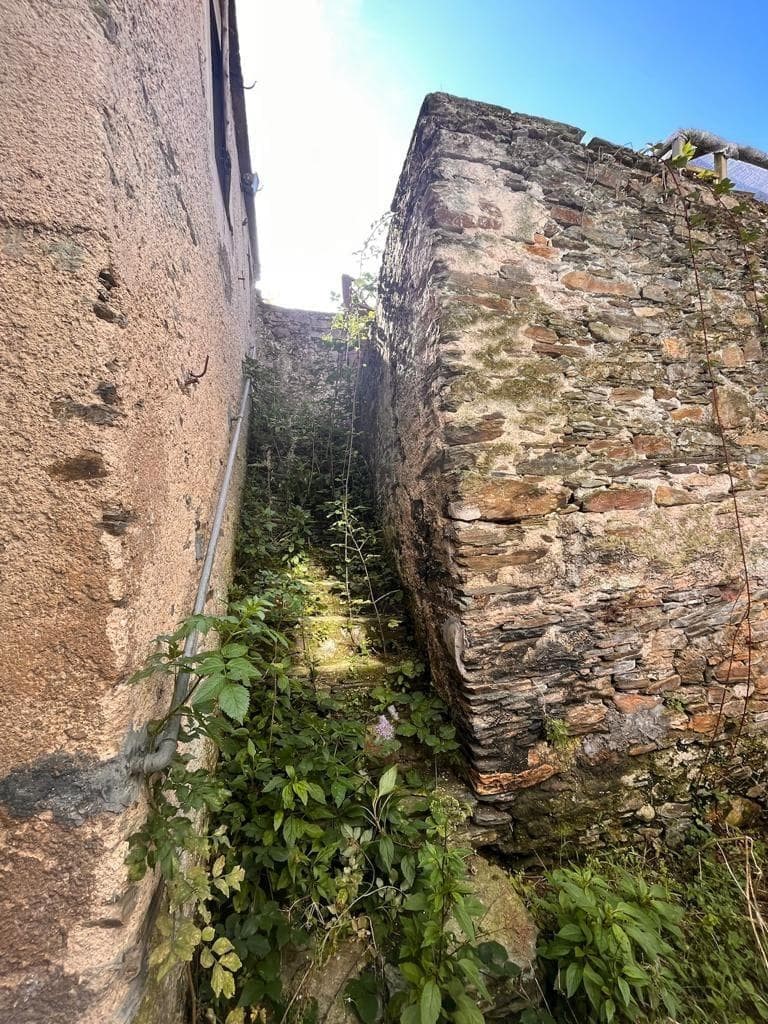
{"x":327,"y":638}
{"x":360,"y":673}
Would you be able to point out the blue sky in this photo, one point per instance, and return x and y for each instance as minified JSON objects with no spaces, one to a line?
{"x":626,"y":71}
{"x":340,"y":82}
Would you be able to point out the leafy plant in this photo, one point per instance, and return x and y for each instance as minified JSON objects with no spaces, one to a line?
{"x":720,"y":961}
{"x":414,"y":713}
{"x":556,"y":731}
{"x":608,"y":946}
{"x":304,"y":834}
{"x":676,"y":939}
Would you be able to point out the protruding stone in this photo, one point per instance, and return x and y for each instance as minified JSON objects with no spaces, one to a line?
{"x":609,"y":332}
{"x":585,"y":718}
{"x":651,"y":444}
{"x":646,"y":812}
{"x":618,"y":499}
{"x":497,"y":783}
{"x":742,"y":812}
{"x":704,"y":723}
{"x":674,"y":348}
{"x":484,"y":429}
{"x":733,"y":407}
{"x":666,"y":496}
{"x":508,"y":500}
{"x":631,"y":703}
{"x":580,"y":281}
{"x":567,"y":215}
{"x":688,"y":414}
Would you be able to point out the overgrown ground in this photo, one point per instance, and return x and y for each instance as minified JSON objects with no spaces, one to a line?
{"x":332,"y":827}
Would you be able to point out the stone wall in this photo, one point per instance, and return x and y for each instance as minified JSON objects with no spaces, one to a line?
{"x":121,"y":275}
{"x":296,"y":350}
{"x":541,"y":427}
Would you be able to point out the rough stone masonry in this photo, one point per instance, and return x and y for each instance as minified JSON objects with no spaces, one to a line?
{"x":552,"y":480}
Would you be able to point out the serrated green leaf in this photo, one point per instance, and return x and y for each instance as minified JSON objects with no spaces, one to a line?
{"x":338,"y":792}
{"x":240,"y":669}
{"x":302,"y":791}
{"x":234,"y":650}
{"x":222,"y":982}
{"x":234,"y":700}
{"x":292,"y":830}
{"x":210,"y":664}
{"x":208,"y":689}
{"x":235,"y":877}
{"x":316,"y":792}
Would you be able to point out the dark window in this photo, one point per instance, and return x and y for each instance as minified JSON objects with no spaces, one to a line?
{"x":223,"y":161}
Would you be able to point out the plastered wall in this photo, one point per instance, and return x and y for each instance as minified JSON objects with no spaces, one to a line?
{"x":121,"y":275}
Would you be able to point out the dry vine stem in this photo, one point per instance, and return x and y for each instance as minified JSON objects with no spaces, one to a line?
{"x":745,"y":619}
{"x":751,"y":869}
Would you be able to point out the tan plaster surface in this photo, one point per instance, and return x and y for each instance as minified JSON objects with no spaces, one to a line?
{"x":119,"y":275}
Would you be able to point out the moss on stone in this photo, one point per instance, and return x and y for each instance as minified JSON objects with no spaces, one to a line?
{"x":526,"y":383}
{"x":486,"y":461}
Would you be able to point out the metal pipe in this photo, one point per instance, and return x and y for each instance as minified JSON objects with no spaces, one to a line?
{"x":707,"y":142}
{"x":165,"y":747}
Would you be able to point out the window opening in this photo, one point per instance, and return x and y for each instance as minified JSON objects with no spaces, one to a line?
{"x":223,"y":159}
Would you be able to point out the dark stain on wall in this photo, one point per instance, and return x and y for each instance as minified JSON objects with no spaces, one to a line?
{"x":86,"y":466}
{"x":73,"y":787}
